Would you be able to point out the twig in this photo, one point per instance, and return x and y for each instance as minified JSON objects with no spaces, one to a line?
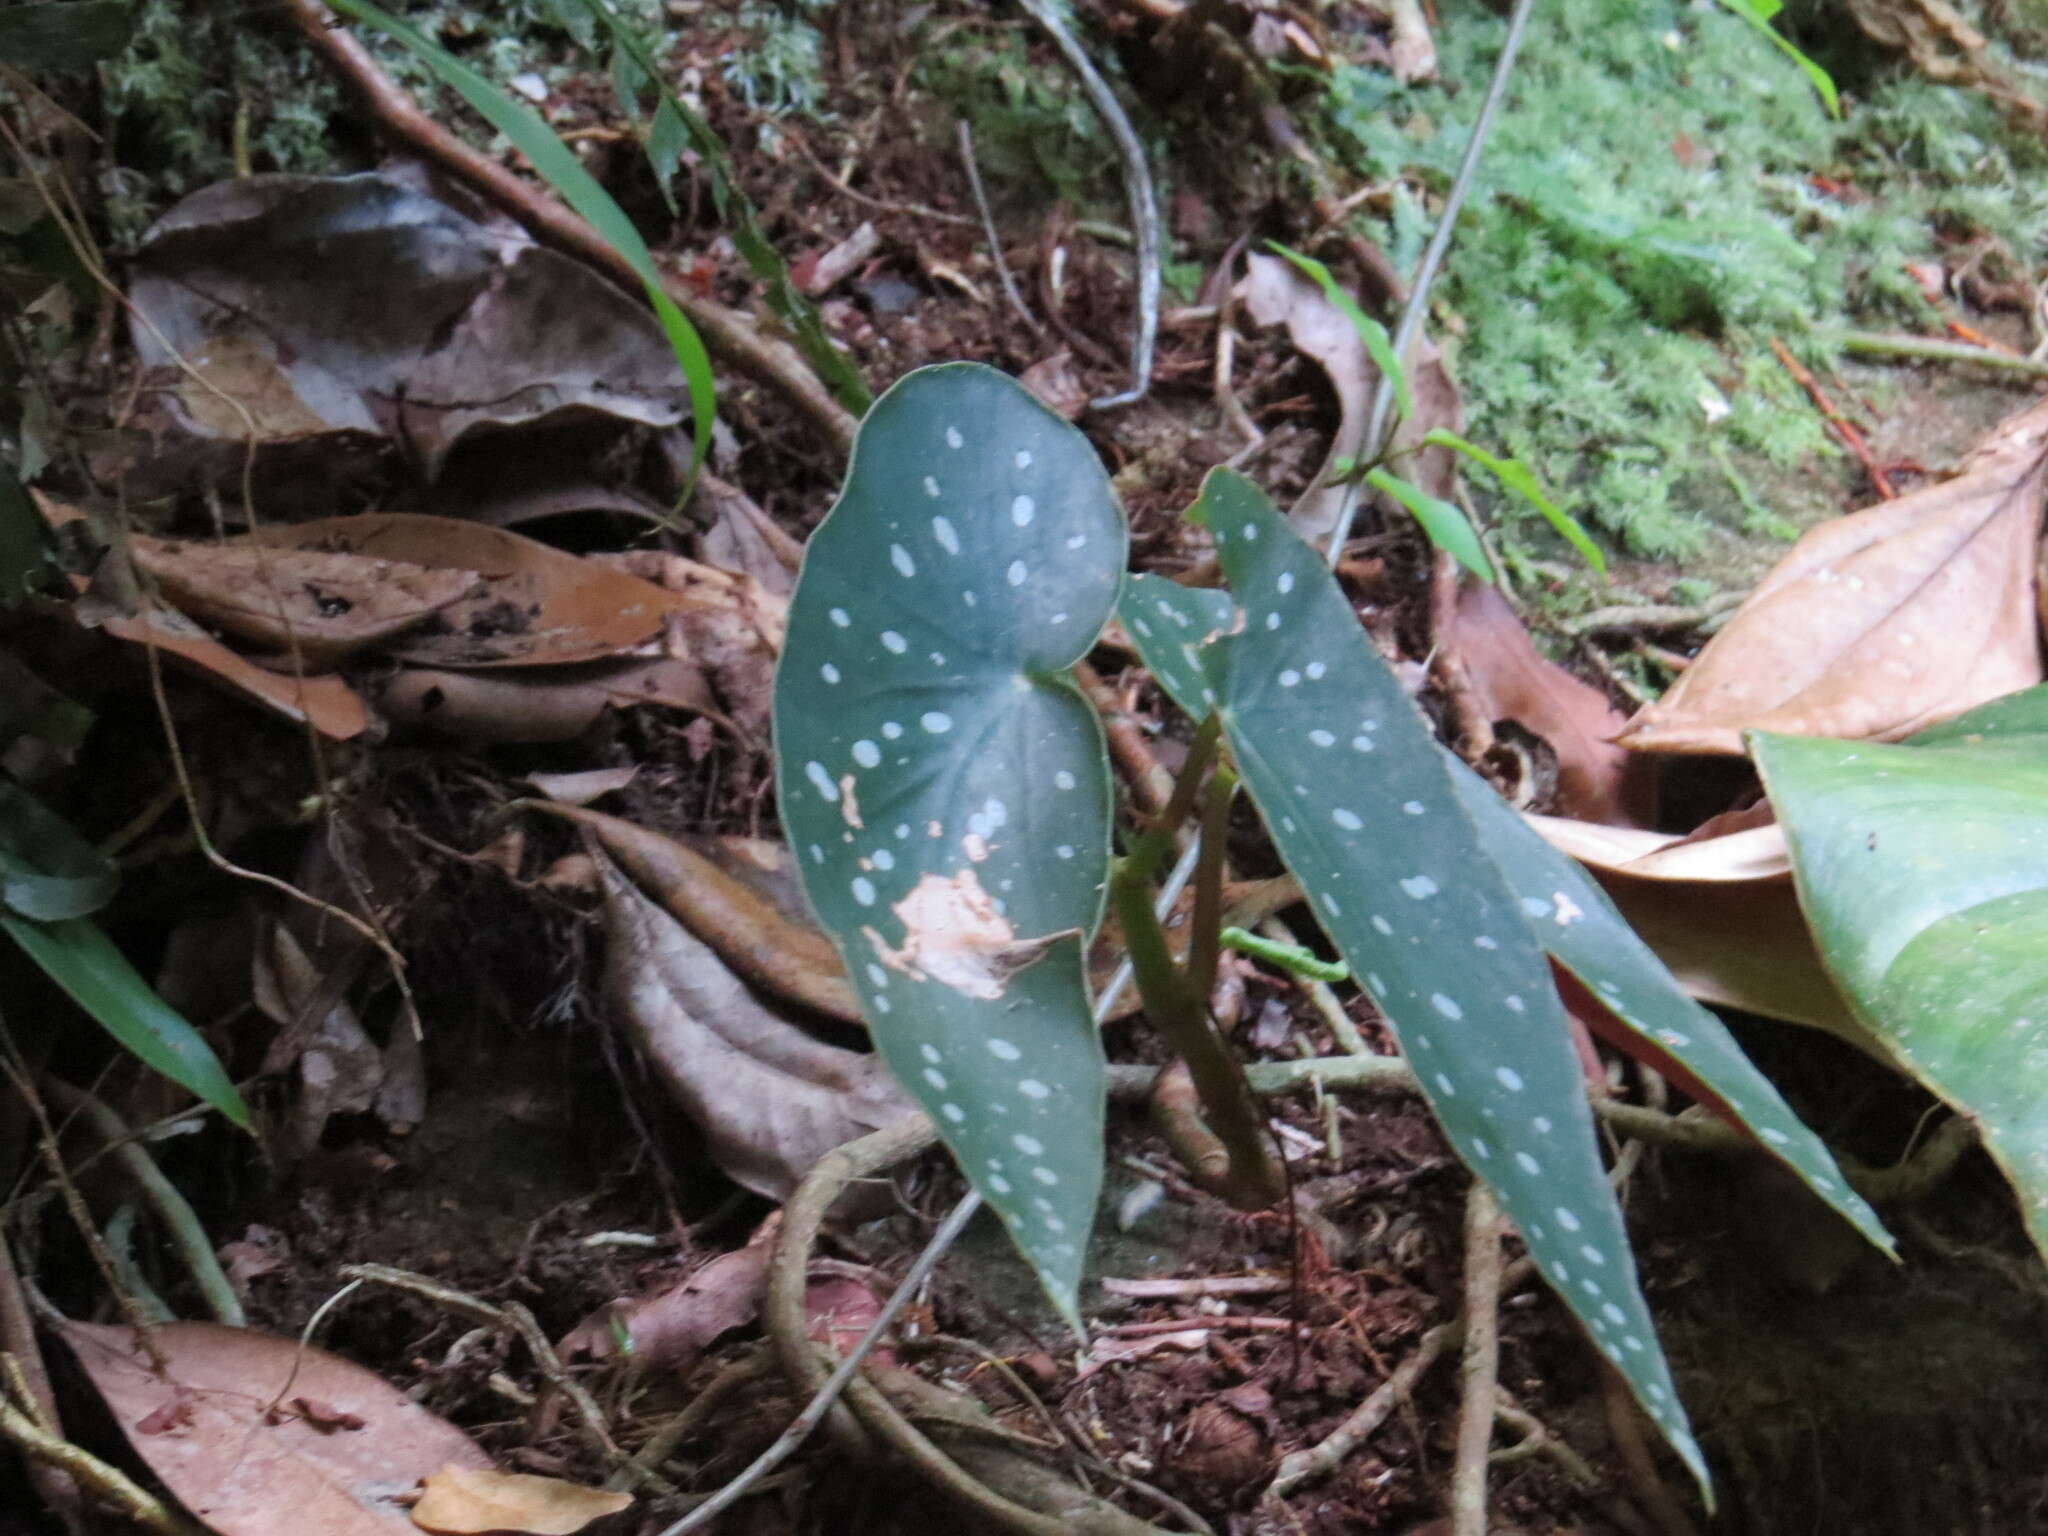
{"x":1318,"y":1461}
{"x":1151,"y":785}
{"x":1845,"y":429}
{"x":1199,"y":1285}
{"x":1648,"y":1489}
{"x":659,"y":1446}
{"x":1652,"y":616}
{"x":88,"y":1471}
{"x":182,"y":1223}
{"x":1539,"y":1440}
{"x":1876,"y":344}
{"x":725,"y":331}
{"x":1144,"y":206}
{"x":1479,"y":1361}
{"x":515,"y":1318}
{"x":1378,"y":426}
{"x":995,"y":240}
{"x":30,"y":1383}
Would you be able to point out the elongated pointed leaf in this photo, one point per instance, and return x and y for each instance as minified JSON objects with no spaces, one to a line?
{"x":1923,"y":869}
{"x":82,"y":960}
{"x":945,"y":786}
{"x":1578,"y":925}
{"x":1353,"y":788}
{"x":47,"y":871}
{"x":1570,"y":916}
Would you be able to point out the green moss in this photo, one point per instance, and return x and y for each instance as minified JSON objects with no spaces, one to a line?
{"x":1647,"y":221}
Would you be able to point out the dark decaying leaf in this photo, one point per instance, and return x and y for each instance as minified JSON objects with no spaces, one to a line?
{"x":1924,"y":870}
{"x":374,"y":305}
{"x":203,"y":1429}
{"x":945,"y":786}
{"x":770,"y":1098}
{"x":1353,"y":788}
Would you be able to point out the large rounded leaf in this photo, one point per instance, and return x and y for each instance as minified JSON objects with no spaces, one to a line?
{"x":1923,"y":869}
{"x":945,"y":786}
{"x":1354,"y":791}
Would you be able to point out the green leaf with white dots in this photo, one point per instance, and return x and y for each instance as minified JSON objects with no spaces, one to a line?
{"x":1355,"y":794}
{"x":1582,"y":930}
{"x":945,"y":785}
{"x":1923,"y":869}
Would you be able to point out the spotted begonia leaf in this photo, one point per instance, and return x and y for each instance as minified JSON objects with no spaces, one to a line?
{"x":1582,"y":930}
{"x":1923,"y":869}
{"x":1572,"y":918}
{"x":1354,"y":791}
{"x":946,"y":788}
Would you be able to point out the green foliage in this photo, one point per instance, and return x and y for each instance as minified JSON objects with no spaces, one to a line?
{"x":50,"y":880}
{"x":1758,"y":14}
{"x":1447,"y":526}
{"x":1646,"y":221}
{"x":676,"y":126}
{"x":63,"y":34}
{"x":559,"y":167}
{"x":944,"y":785}
{"x":1923,"y":870}
{"x":1514,"y":476}
{"x":1379,"y":346}
{"x":1032,"y":127}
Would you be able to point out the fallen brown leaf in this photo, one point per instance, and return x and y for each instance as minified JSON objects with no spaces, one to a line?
{"x":1882,"y":622}
{"x":201,"y":1427}
{"x":534,"y":605}
{"x":770,"y":1098}
{"x":538,"y":704}
{"x":781,"y":955}
{"x":670,"y":1329}
{"x":313,"y":605}
{"x":328,"y":704}
{"x":460,"y":1500}
{"x":1597,"y":781}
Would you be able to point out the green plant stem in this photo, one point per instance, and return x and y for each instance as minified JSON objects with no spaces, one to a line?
{"x":1205,"y":944}
{"x":1931,"y":349}
{"x":187,"y":1235}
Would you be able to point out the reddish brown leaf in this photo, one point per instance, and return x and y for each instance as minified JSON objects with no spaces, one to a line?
{"x":245,"y":1476}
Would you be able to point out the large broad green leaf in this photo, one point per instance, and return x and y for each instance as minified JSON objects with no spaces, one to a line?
{"x":47,"y":871}
{"x":1580,"y":928}
{"x":1355,"y":793}
{"x":945,"y":786}
{"x":84,"y":962}
{"x":1923,"y":869}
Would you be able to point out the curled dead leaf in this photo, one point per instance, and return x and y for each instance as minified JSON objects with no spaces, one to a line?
{"x":770,"y":1098}
{"x":314,"y":605}
{"x":1882,"y":622}
{"x":460,"y":1501}
{"x":328,"y":704}
{"x":777,"y":953}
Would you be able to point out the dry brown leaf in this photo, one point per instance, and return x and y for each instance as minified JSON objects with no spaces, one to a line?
{"x":770,"y":1099}
{"x":538,"y":704}
{"x":1597,"y":781}
{"x":313,"y":605}
{"x":1747,"y":853}
{"x":536,"y":605}
{"x":780,"y":955}
{"x":670,"y":1329}
{"x":333,"y":708}
{"x":461,"y":1501}
{"x":1882,"y":622}
{"x":202,"y":1428}
{"x":1274,"y":292}
{"x":1412,"y":48}
{"x":582,"y":788}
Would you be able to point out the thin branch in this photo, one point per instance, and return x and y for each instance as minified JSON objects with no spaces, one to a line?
{"x":1378,"y":430}
{"x":134,"y":1501}
{"x":995,"y":240}
{"x":1144,"y":205}
{"x":1479,"y":1361}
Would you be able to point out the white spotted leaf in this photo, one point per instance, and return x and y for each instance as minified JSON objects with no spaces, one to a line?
{"x":1356,"y":796}
{"x":1923,"y":870}
{"x":945,"y":787}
